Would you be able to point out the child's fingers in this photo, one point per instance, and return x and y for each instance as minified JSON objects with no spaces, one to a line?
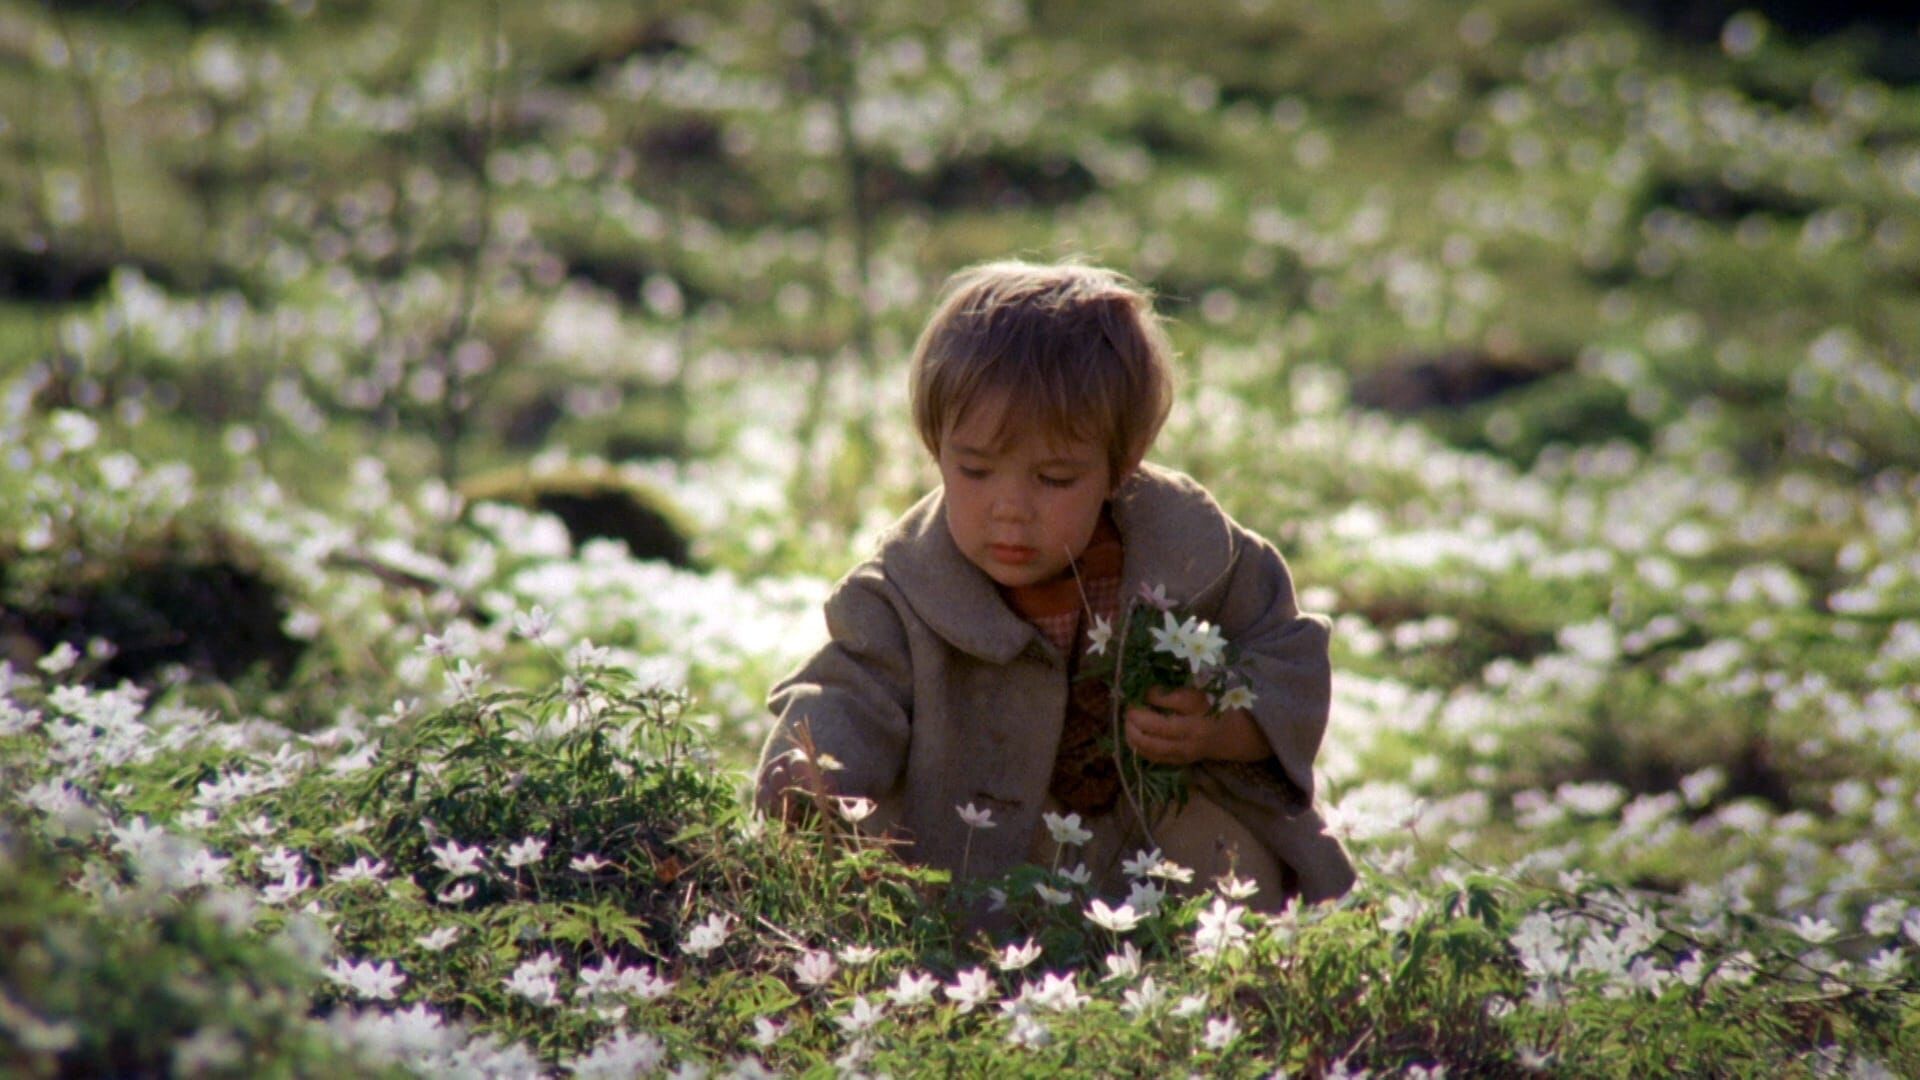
{"x":1187,"y":699}
{"x":1162,"y":739}
{"x":1158,"y":751}
{"x":1158,"y":725}
{"x":797,"y":785}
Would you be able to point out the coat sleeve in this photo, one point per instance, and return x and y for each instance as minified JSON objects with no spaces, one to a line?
{"x":851,"y":700}
{"x":1284,"y":654}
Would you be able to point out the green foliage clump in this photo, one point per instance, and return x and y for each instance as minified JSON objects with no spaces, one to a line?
{"x":100,"y":978}
{"x":558,"y":878}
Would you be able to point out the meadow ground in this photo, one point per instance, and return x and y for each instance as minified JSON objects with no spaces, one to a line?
{"x":429,"y":427}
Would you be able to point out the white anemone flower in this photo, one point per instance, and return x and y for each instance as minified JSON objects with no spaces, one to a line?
{"x":970,"y":988}
{"x":912,"y":989}
{"x":862,"y":1016}
{"x":766,"y":1031}
{"x":1220,"y":928}
{"x":1066,"y":830}
{"x":975,"y":817}
{"x":526,"y":852}
{"x":623,"y":1054}
{"x":538,"y":988}
{"x":1054,"y":897}
{"x":367,"y":979}
{"x":361,"y":869}
{"x":1883,"y":918}
{"x":855,"y":810}
{"x":456,"y":859}
{"x":1205,"y":645}
{"x":815,"y":967}
{"x":1100,"y":636}
{"x":1170,"y":636}
{"x":1145,"y":897}
{"x":1236,"y":697}
{"x":644,"y":983}
{"x":1139,"y":1000}
{"x":1236,"y":888}
{"x":1015,"y":957}
{"x":1118,"y":920}
{"x":708,"y":935}
{"x":1029,"y":1032}
{"x":1221,"y":1033}
{"x":1814,"y":931}
{"x":1056,"y":993}
{"x":858,"y":955}
{"x":1168,"y":870}
{"x":534,"y":625}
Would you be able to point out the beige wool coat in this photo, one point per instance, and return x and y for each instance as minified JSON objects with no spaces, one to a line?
{"x":932,"y":693}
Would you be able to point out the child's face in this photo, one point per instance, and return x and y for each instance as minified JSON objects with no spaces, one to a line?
{"x":1021,"y":509}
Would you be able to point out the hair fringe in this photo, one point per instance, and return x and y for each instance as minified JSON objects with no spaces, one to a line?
{"x":1073,"y":349}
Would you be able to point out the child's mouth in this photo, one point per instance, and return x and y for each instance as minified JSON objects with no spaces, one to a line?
{"x":1011,"y":554}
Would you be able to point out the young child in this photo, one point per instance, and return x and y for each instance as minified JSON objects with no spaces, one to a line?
{"x":950,"y":681}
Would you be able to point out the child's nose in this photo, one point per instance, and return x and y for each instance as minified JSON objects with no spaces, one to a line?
{"x":1011,"y":506}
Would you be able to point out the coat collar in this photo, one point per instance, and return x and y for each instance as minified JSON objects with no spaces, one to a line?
{"x":1175,"y":535}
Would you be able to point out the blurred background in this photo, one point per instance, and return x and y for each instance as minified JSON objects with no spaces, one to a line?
{"x":514,"y":226}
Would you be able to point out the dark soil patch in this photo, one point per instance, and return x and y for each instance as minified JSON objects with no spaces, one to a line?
{"x":652,"y":37}
{"x":1482,"y":637}
{"x":1643,"y":769}
{"x":619,"y":274}
{"x":63,"y":273}
{"x":594,"y":505}
{"x":527,"y":423}
{"x":999,"y":179}
{"x":195,"y":13}
{"x":615,"y":514}
{"x":640,"y":445}
{"x":1716,"y":200}
{"x":1414,"y":383}
{"x":1702,"y":20}
{"x":32,"y":271}
{"x":624,"y":273}
{"x":1894,"y":53}
{"x":209,"y":611}
{"x":682,"y":141}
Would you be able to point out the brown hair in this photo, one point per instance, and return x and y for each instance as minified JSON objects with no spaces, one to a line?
{"x":1075,"y":351}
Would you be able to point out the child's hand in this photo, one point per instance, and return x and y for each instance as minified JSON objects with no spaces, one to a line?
{"x":1178,"y":727}
{"x":793,"y":789}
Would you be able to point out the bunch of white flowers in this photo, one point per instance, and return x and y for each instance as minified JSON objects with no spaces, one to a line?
{"x":1161,"y":648}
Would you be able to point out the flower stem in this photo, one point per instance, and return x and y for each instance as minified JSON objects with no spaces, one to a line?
{"x":1116,"y":706}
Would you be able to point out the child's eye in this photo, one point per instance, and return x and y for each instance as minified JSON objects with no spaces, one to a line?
{"x":973,"y":472}
{"x":1059,"y":481}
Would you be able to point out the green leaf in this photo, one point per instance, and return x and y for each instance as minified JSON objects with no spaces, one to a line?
{"x":693,"y":830}
{"x":572,"y":929}
{"x":761,"y":995}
